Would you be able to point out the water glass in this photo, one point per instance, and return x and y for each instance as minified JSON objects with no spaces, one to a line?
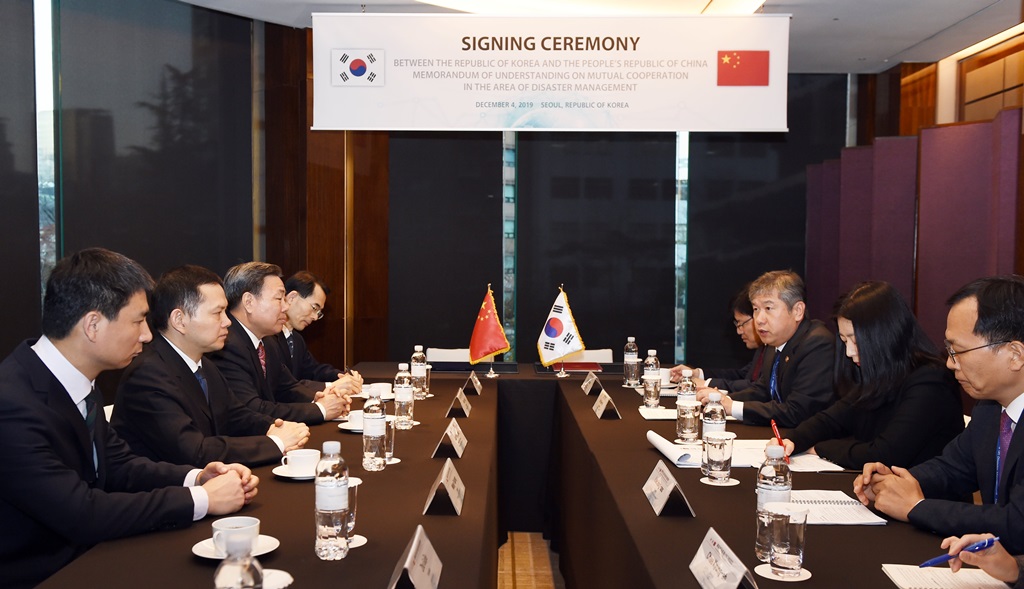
{"x":353,"y":500}
{"x":389,"y":438}
{"x":426,"y":383}
{"x":718,"y":446}
{"x":788,"y":531}
{"x":652,"y":391}
{"x":687,"y":420}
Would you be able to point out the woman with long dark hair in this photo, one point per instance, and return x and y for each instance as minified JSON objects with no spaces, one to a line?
{"x":898,"y":404}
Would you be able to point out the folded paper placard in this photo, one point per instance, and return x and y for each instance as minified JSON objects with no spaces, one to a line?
{"x":715,"y":566}
{"x":418,"y":567}
{"x":589,"y":381}
{"x":604,"y":408}
{"x":664,"y":494}
{"x":452,"y":443}
{"x":460,"y":406}
{"x":475,"y":380}
{"x":447,"y":493}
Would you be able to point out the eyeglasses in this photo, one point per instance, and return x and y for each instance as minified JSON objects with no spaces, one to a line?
{"x":318,"y":310}
{"x":742,"y":323}
{"x":953,"y":353}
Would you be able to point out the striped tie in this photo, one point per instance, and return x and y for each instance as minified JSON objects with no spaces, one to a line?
{"x":773,"y":382}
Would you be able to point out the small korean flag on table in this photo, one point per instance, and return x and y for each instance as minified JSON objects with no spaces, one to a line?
{"x":357,"y":67}
{"x":559,"y":338}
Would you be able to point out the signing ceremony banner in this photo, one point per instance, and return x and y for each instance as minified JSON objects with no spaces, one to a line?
{"x":466,"y":72}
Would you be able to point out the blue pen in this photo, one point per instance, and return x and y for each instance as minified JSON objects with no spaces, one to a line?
{"x":976,"y":547}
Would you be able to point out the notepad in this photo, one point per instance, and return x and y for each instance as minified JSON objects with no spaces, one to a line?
{"x":835,"y":508}
{"x":908,"y":576}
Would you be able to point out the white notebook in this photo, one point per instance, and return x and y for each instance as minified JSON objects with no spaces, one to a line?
{"x":835,"y":508}
{"x":908,"y":576}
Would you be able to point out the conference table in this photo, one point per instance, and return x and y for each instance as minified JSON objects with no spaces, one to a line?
{"x":538,"y":459}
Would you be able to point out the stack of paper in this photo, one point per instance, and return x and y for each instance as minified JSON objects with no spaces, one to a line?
{"x":908,"y":576}
{"x":686,"y":456}
{"x":835,"y":508}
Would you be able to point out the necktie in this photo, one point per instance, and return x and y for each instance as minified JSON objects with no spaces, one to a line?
{"x":92,"y":412}
{"x":758,"y":360}
{"x":1002,"y":448}
{"x":201,"y":377}
{"x":773,"y":382}
{"x":291,"y":344}
{"x":262,"y":352}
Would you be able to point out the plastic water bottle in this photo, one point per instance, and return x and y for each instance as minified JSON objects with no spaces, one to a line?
{"x":631,"y":363}
{"x":373,"y":432}
{"x":652,"y":367}
{"x":712,"y":420}
{"x":331,"y":509}
{"x":239,"y":570}
{"x":404,"y":397}
{"x":687,"y":388}
{"x":774,"y":483}
{"x":419,"y":373}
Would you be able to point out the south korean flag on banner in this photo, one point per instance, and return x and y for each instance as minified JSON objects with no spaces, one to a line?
{"x":357,"y":67}
{"x":559,"y":338}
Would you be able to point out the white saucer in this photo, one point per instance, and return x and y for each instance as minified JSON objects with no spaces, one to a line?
{"x":356,"y":541}
{"x":284,"y":471}
{"x":354,"y":481}
{"x":383,"y":396}
{"x":765,"y":570}
{"x":264,"y":544}
{"x":349,"y":427}
{"x":730,"y":483}
{"x":276,"y":579}
{"x":392,"y":460}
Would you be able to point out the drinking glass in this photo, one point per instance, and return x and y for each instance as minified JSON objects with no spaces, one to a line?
{"x":788,"y":532}
{"x":652,"y":391}
{"x":719,"y":449}
{"x":687,"y":421}
{"x":354,"y":540}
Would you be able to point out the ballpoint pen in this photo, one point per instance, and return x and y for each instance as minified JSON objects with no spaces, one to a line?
{"x":976,"y":547}
{"x":778,"y":436}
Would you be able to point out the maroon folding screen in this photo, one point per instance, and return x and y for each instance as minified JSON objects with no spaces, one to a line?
{"x":855,"y":206}
{"x":822,"y":278}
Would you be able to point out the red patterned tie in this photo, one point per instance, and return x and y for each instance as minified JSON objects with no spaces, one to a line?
{"x":262,"y":352}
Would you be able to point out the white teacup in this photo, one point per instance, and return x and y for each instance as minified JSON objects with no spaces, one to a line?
{"x":301,"y":462}
{"x":666,"y":377}
{"x":355,"y":419}
{"x":383,"y":387}
{"x":240,"y":525}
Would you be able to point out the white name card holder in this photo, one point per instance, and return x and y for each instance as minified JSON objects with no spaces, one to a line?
{"x":454,"y":446}
{"x":665,"y":494}
{"x":605,"y":408}
{"x":589,"y":381}
{"x":418,"y":567}
{"x":447,"y":493}
{"x":715,"y":566}
{"x":473,"y":378}
{"x":460,"y":406}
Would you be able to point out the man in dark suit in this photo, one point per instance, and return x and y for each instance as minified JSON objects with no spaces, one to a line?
{"x":307,"y":297}
{"x":252,"y":360}
{"x":985,"y":343}
{"x":797,"y":383}
{"x":174,"y":406}
{"x":68,"y":480}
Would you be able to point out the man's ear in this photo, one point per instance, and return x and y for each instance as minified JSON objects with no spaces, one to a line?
{"x":798,"y":310}
{"x":90,"y":323}
{"x":1016,"y":350}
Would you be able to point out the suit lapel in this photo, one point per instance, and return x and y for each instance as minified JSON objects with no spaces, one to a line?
{"x":791,"y":349}
{"x":254,"y":359}
{"x":186,"y":379}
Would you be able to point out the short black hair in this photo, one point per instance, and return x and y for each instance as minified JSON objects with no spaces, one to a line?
{"x":788,"y":285}
{"x":178,"y":288}
{"x":304,"y":282}
{"x":1000,"y":307}
{"x":93,"y":279}
{"x":740,"y":302}
{"x":247,"y":277}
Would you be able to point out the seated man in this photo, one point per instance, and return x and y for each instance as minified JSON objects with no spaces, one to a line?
{"x":69,"y":481}
{"x":734,"y":379}
{"x":306,"y":299}
{"x":174,"y":406}
{"x":985,"y":342}
{"x":253,"y":366}
{"x":798,"y":381}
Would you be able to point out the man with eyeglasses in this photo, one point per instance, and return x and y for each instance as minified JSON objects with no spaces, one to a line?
{"x":306,"y":299}
{"x":985,"y":343}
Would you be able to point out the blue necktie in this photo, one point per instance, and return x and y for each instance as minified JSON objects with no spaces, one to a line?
{"x":202,"y":382}
{"x":92,"y":412}
{"x":773,"y":382}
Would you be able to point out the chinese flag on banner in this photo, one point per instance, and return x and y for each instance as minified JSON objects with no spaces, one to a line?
{"x":488,"y":334}
{"x":742,"y":68}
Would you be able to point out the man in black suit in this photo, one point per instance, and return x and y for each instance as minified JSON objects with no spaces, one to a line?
{"x":797,"y":383}
{"x":985,"y":343}
{"x":174,"y":406}
{"x":252,"y":360}
{"x":68,"y":480}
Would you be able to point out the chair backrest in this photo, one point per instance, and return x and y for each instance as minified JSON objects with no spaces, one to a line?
{"x":601,"y":356}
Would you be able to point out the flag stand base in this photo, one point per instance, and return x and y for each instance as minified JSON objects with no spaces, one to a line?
{"x":561,"y":371}
{"x":491,"y":373}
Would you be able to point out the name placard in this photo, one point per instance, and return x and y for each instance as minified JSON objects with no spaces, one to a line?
{"x":605,"y":408}
{"x":460,"y":406}
{"x":715,"y":566}
{"x":589,"y":381}
{"x":454,"y":446}
{"x":447,"y":493}
{"x":664,"y":493}
{"x":473,"y":378}
{"x":419,"y":566}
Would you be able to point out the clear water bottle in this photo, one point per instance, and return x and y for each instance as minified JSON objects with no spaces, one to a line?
{"x":652,"y":368}
{"x":419,"y":373}
{"x":239,"y":570}
{"x":687,"y":388}
{"x":331,"y":508}
{"x":631,"y":363}
{"x":774,"y":483}
{"x":712,"y":420}
{"x":404,"y":397}
{"x":373,"y":432}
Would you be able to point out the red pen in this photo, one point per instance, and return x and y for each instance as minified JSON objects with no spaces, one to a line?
{"x":778,"y":436}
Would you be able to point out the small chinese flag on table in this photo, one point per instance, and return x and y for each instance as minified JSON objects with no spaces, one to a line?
{"x":488,"y":334}
{"x":742,"y":68}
